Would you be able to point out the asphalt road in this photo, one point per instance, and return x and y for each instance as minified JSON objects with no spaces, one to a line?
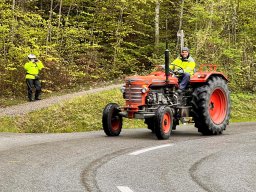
{"x":133,"y":162}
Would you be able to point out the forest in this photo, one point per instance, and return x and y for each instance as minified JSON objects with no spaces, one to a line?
{"x":85,"y":41}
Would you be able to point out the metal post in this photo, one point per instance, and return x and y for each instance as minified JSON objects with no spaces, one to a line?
{"x":181,"y":35}
{"x":167,"y":62}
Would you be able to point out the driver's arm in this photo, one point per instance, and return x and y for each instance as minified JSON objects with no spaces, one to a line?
{"x":176,"y":62}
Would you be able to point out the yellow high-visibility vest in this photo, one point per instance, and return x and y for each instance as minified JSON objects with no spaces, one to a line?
{"x":187,"y":65}
{"x":32,"y":69}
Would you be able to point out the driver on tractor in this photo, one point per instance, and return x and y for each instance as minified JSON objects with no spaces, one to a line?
{"x":187,"y":63}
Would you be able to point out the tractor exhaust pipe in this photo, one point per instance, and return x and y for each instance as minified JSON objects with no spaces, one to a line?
{"x":167,"y":62}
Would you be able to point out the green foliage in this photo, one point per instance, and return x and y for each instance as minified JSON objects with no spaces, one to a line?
{"x":243,"y":107}
{"x":89,"y":40}
{"x":223,"y":32}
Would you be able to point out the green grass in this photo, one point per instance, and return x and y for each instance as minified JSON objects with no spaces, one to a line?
{"x":9,"y":101}
{"x":243,"y":107}
{"x":81,"y":114}
{"x":85,"y":113}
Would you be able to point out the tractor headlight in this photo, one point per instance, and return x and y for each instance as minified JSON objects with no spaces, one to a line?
{"x":144,"y":89}
{"x":122,"y":89}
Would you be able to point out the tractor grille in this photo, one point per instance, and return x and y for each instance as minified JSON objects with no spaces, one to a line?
{"x":133,"y":94}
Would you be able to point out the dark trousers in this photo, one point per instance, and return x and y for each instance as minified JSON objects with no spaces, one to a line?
{"x":31,"y":83}
{"x":184,"y":80}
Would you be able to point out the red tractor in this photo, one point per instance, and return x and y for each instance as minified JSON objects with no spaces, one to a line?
{"x":154,"y":98}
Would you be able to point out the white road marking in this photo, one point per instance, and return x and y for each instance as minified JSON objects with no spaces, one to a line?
{"x":124,"y":189}
{"x":149,"y":149}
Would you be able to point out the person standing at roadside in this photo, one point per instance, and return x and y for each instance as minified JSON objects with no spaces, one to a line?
{"x":33,"y":67}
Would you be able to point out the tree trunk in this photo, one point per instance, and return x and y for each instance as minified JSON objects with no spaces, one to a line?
{"x":60,"y":14}
{"x":181,"y":14}
{"x":69,"y":9}
{"x":234,"y":21}
{"x":66,"y":20}
{"x":118,"y":38}
{"x":196,"y":27}
{"x":211,"y":13}
{"x":48,"y":39}
{"x":228,"y":28}
{"x":13,"y":5}
{"x":13,"y":20}
{"x":59,"y":23}
{"x":180,"y":26}
{"x":4,"y":50}
{"x":157,"y":10}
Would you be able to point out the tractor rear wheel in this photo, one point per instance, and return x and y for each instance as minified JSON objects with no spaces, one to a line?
{"x":111,"y":120}
{"x":163,"y":122}
{"x":211,"y":106}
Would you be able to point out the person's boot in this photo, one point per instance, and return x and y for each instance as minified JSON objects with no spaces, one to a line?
{"x":37,"y":94}
{"x":30,"y":96}
{"x":30,"y":99}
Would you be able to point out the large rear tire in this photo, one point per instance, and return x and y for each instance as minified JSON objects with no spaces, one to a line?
{"x":211,"y":106}
{"x":163,"y":122}
{"x":111,"y":120}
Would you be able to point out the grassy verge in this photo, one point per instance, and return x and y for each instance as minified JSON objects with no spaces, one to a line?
{"x":80,"y":114}
{"x":243,"y":107}
{"x":84,"y":114}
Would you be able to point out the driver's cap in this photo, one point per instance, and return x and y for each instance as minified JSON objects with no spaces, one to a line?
{"x":185,"y":49}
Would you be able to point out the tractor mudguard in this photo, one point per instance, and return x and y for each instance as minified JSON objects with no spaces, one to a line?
{"x":205,"y":72}
{"x":202,"y":77}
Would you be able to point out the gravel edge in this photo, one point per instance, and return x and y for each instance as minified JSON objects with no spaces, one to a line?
{"x":44,"y":103}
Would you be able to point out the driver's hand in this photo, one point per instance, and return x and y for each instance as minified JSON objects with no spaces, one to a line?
{"x":180,"y":71}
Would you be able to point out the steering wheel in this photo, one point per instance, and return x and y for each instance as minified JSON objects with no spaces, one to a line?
{"x":177,"y":70}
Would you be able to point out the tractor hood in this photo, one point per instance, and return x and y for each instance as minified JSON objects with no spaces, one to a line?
{"x":155,"y":78}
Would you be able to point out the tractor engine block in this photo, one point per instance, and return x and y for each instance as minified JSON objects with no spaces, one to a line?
{"x":161,"y":96}
{"x":154,"y":98}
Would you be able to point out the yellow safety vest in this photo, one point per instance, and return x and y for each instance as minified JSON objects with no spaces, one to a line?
{"x":32,"y":69}
{"x":187,"y":65}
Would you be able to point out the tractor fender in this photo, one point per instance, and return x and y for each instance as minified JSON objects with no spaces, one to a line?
{"x":202,"y":77}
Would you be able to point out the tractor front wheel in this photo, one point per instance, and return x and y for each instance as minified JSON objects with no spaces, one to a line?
{"x":163,"y":122}
{"x":111,"y":120}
